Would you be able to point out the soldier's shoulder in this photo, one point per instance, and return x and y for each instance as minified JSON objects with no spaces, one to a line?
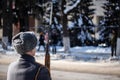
{"x":13,"y":65}
{"x":39,"y":64}
{"x":43,"y":67}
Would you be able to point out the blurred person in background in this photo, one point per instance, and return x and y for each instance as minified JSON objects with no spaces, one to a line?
{"x":41,"y":41}
{"x":113,"y":42}
{"x":54,"y":41}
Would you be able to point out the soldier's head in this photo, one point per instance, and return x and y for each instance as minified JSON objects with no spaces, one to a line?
{"x":24,"y":42}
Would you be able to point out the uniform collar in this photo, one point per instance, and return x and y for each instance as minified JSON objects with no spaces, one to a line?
{"x":27,"y":57}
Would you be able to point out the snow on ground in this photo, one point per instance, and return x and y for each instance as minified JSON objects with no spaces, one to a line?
{"x":85,"y":53}
{"x":91,"y":49}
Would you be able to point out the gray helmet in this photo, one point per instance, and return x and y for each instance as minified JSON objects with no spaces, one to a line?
{"x":24,"y":42}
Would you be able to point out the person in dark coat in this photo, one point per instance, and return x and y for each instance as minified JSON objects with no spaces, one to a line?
{"x":41,"y":41}
{"x":113,"y":42}
{"x":26,"y":68}
{"x":54,"y":40}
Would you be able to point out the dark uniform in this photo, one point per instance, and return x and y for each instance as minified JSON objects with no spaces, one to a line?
{"x":41,"y":41}
{"x":54,"y":40}
{"x":26,"y":68}
{"x":113,"y":43}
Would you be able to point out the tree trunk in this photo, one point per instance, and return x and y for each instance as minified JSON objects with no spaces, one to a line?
{"x":16,"y":28}
{"x":66,"y":42}
{"x":66,"y":39}
{"x":31,"y":23}
{"x":24,"y":23}
{"x":7,"y":24}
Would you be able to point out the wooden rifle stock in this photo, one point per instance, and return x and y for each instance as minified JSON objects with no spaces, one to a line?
{"x":47,"y":57}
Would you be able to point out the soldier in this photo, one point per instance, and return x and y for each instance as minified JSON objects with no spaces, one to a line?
{"x":26,"y":68}
{"x":113,"y":43}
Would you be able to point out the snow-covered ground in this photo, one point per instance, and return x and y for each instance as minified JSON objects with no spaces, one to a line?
{"x":85,"y":53}
{"x":77,"y":49}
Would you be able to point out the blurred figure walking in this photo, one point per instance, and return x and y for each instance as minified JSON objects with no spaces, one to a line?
{"x":41,"y":41}
{"x":54,"y":40}
{"x":113,"y":42}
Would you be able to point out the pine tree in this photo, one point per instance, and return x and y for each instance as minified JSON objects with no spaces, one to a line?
{"x":83,"y":26}
{"x":86,"y":10}
{"x":87,"y":16}
{"x":110,"y":21}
